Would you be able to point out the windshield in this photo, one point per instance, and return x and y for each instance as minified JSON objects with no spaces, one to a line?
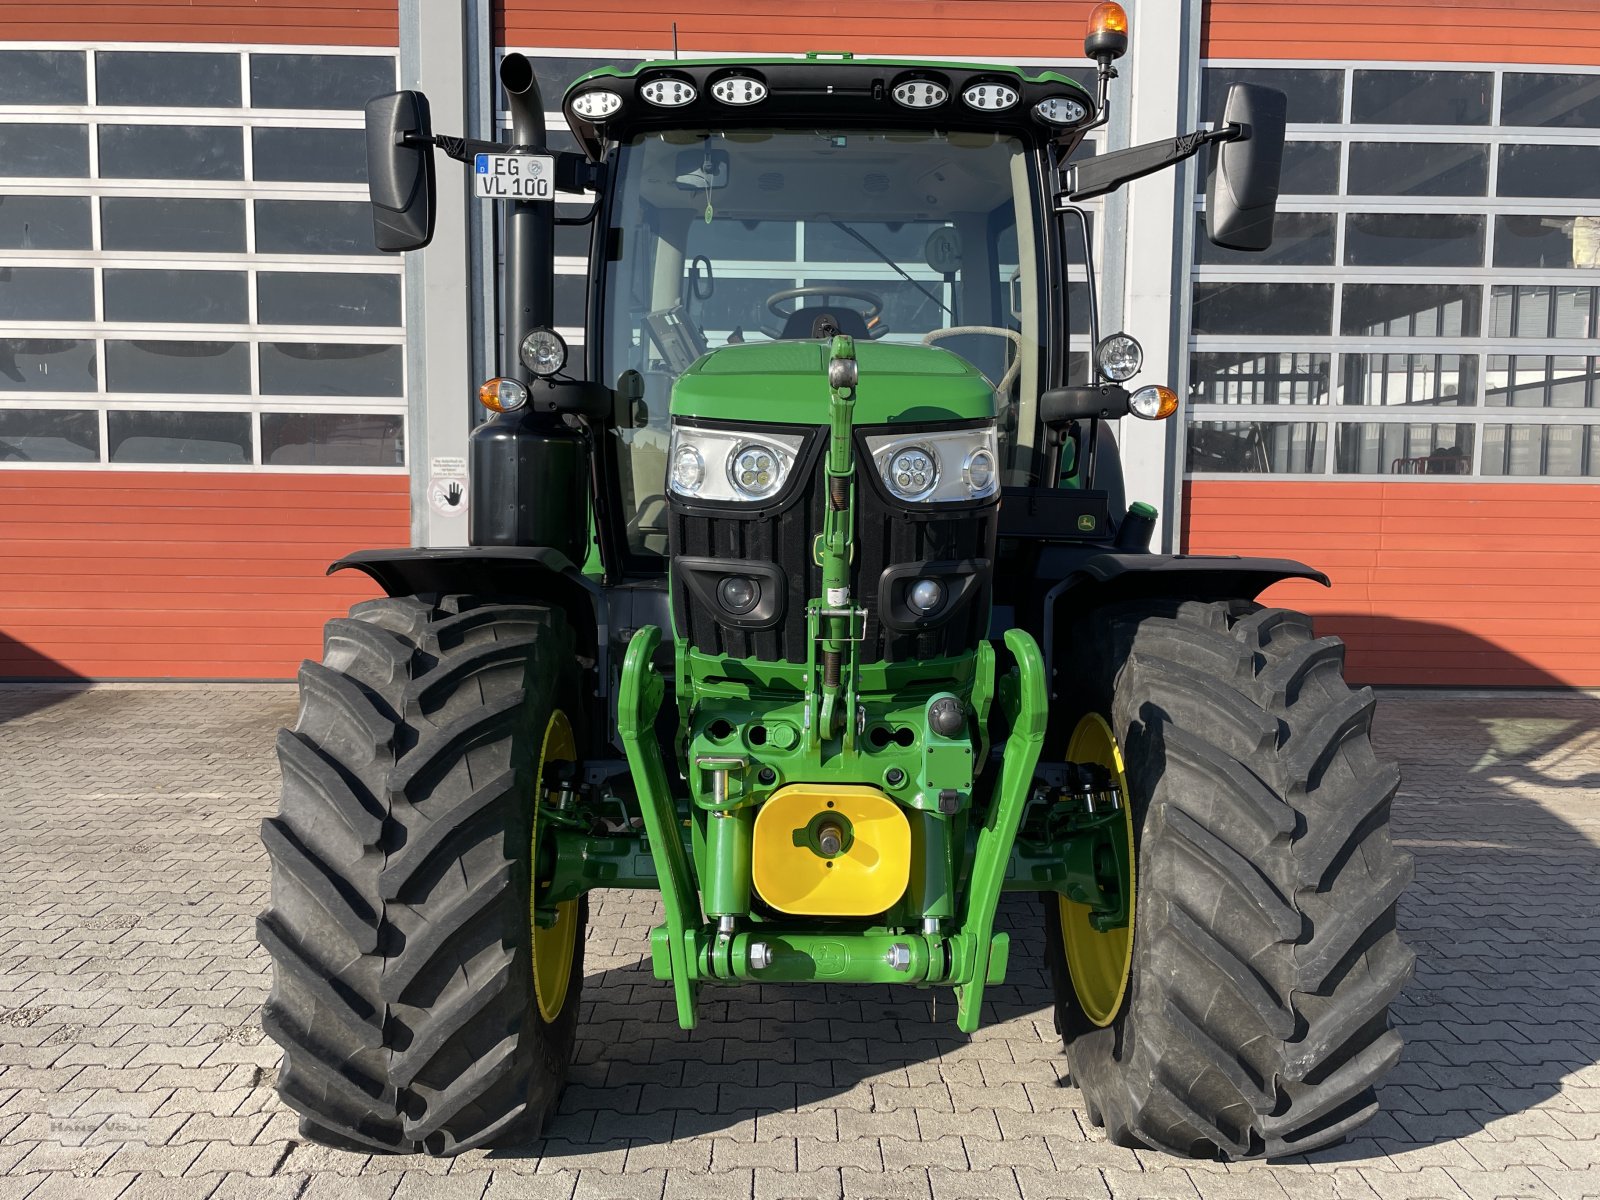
{"x":733,"y":236}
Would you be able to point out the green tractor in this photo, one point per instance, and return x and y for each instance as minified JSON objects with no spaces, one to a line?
{"x":810,"y":600}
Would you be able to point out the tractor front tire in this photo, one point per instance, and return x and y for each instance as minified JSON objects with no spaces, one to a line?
{"x":419,"y":1007}
{"x":1254,"y":1017}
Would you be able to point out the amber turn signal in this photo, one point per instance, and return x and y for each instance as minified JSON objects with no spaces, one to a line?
{"x":1153,"y":403}
{"x":1107,"y":38}
{"x":502,"y":395}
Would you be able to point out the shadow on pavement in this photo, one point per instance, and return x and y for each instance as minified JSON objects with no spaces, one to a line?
{"x":31,"y":680}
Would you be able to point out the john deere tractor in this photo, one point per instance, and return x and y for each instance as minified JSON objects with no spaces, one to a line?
{"x":808,"y":598}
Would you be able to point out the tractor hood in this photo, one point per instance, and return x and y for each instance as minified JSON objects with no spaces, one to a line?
{"x":787,"y":383}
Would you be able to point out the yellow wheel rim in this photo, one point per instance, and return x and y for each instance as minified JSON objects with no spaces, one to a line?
{"x":1099,"y":963}
{"x":553,"y":945}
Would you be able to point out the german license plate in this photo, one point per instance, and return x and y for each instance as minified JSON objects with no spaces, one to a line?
{"x":515,"y":176}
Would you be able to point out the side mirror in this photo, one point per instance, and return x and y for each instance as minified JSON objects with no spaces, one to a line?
{"x":400,"y":171}
{"x":1242,"y":188}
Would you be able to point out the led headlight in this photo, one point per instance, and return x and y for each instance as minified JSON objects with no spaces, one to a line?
{"x":730,"y":464}
{"x":739,"y":89}
{"x":668,"y":91}
{"x":544,"y":352}
{"x":597,"y":106}
{"x":1119,"y":357}
{"x":913,"y":467}
{"x":912,"y":472}
{"x":1058,"y":110}
{"x":755,"y":469}
{"x":920,"y":93}
{"x":991,"y":97}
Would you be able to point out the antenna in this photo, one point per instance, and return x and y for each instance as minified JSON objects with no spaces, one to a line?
{"x":674,"y":41}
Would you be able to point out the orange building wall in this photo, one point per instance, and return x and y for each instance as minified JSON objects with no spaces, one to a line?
{"x":1459,"y":584}
{"x":1038,"y":29}
{"x":1508,"y":31}
{"x":161,"y":575}
{"x":280,"y":22}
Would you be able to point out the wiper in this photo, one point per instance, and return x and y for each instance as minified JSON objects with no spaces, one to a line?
{"x":858,"y":237}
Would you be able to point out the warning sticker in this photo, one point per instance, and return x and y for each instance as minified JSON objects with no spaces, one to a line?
{"x":447,"y":484}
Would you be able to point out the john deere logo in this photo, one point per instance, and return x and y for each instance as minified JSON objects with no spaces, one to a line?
{"x":1086,"y":524}
{"x":829,"y":958}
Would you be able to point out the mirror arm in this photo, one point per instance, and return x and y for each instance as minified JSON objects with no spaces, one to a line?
{"x":1107,"y":172}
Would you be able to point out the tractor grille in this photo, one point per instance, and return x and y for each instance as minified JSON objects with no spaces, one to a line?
{"x":886,"y":536}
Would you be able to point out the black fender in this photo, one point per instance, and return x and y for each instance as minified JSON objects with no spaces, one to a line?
{"x":535,"y":573}
{"x":1072,"y":580}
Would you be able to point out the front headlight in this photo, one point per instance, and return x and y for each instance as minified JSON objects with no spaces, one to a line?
{"x":730,"y":464}
{"x":931,"y":468}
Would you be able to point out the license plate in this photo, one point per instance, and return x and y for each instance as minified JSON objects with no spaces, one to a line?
{"x":515,"y":176}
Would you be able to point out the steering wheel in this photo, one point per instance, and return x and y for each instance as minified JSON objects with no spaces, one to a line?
{"x":872,"y":300}
{"x":1002,"y":389}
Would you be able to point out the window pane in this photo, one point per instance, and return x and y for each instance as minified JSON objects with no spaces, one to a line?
{"x":45,"y":223}
{"x":323,"y":80}
{"x":556,"y":75}
{"x":47,"y":365}
{"x":1316,"y":95}
{"x":46,"y":294}
{"x":736,"y":301}
{"x":1418,"y":169}
{"x":1550,"y":171}
{"x":165,"y":223}
{"x":1249,"y":377}
{"x":1555,"y":101}
{"x":171,"y":152}
{"x":311,"y":155}
{"x":186,"y":368}
{"x":1410,"y":310}
{"x":1257,"y":447}
{"x":45,"y":151}
{"x":331,"y":440}
{"x":1547,"y":450}
{"x":1298,"y":239}
{"x":315,"y":227}
{"x":1263,"y":308}
{"x":190,"y":297}
{"x":1421,"y":97}
{"x":1310,"y":169}
{"x":1413,"y":240}
{"x":311,"y":298}
{"x":1403,"y":449}
{"x":179,"y":437}
{"x":1542,"y":381}
{"x":1555,"y":242}
{"x":35,"y":77}
{"x":1410,"y":380}
{"x":1541,"y":312}
{"x":164,"y":79}
{"x":49,"y":435}
{"x":330,"y":369}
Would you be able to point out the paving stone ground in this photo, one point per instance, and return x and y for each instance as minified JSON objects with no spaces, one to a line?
{"x":131,"y":1065}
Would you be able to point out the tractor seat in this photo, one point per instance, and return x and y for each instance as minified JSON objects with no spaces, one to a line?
{"x":819,"y":322}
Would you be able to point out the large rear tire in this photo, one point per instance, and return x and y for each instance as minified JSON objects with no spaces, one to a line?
{"x":1254,"y":1020}
{"x":419,"y":1005}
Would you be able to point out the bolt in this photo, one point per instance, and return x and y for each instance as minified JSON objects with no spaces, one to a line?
{"x":894,"y":776}
{"x":899,"y":957}
{"x":767,"y":775}
{"x":760,"y":956}
{"x":830,"y":840}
